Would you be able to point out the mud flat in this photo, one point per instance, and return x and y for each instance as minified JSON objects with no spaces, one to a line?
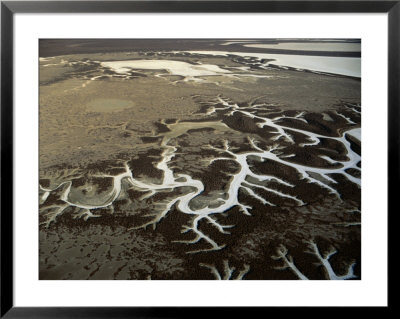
{"x":163,"y":162}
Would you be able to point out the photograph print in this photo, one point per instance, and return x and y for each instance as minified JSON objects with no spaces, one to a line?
{"x":199,"y":159}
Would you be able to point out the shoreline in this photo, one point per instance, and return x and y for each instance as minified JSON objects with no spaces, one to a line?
{"x":59,"y":47}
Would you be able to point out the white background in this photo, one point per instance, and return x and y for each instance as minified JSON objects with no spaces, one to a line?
{"x":370,"y":291}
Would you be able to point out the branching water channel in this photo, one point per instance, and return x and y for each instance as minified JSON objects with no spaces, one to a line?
{"x":244,"y":179}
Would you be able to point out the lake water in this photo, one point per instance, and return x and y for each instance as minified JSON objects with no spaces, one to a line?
{"x":335,"y":65}
{"x":309,"y":46}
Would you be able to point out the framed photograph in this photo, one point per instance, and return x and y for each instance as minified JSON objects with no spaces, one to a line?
{"x":160,"y":157}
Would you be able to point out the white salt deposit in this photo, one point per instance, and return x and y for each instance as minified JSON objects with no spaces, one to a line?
{"x":173,"y":67}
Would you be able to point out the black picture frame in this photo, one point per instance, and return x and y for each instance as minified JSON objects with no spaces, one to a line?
{"x":9,"y":8}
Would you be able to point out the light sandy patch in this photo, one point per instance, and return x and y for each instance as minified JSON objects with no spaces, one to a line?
{"x":108,"y":105}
